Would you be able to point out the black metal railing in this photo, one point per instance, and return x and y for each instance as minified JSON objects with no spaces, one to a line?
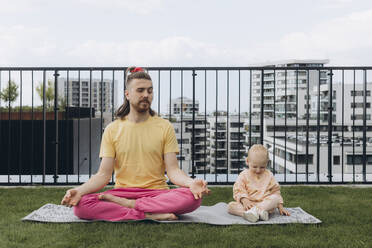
{"x":314,"y":120}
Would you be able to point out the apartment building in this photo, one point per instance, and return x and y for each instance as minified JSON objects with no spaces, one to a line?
{"x":102,"y":94}
{"x":291,"y":136}
{"x":182,"y":120}
{"x":347,"y":102}
{"x":184,"y":129}
{"x":285,"y":87}
{"x":226,"y":144}
{"x":183,"y":106}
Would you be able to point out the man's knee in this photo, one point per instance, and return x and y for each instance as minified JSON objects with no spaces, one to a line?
{"x":188,"y":200}
{"x":82,"y":209}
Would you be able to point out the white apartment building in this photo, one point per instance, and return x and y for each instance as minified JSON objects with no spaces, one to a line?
{"x":280,"y":83}
{"x":347,"y":135}
{"x":347,"y":111}
{"x":79,"y":92}
{"x":183,"y":105}
{"x":226,"y":144}
{"x":181,"y":118}
{"x":183,"y":129}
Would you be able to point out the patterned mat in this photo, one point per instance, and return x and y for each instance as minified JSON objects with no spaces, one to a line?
{"x":214,"y":215}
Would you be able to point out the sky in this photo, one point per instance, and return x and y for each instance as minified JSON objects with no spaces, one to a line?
{"x":120,"y":33}
{"x":183,"y":33}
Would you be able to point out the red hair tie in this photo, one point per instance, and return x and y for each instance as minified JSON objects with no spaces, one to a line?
{"x":137,"y":69}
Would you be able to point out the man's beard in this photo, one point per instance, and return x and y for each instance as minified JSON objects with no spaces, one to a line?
{"x":140,"y":109}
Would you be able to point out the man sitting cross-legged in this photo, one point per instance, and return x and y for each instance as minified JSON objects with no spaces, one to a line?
{"x":139,"y":146}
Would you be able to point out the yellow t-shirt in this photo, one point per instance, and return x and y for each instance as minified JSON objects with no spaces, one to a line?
{"x":138,"y":149}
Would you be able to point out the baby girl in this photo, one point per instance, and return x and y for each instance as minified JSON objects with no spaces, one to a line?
{"x":256,"y":192}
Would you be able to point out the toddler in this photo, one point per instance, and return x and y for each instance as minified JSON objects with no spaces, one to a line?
{"x":256,"y":192}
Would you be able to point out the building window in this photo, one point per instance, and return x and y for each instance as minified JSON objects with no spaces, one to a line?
{"x":359,"y":93}
{"x":336,"y":160}
{"x":358,"y":159}
{"x":360,"y":105}
{"x":360,"y":117}
{"x":302,"y":159}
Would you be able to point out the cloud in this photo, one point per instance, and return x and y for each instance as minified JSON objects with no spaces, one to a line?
{"x":345,"y":40}
{"x":20,"y":6}
{"x":335,"y":39}
{"x":20,"y":45}
{"x":334,"y":4}
{"x":141,"y":7}
{"x":170,"y":51}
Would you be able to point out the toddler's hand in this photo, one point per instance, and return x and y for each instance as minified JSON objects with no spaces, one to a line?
{"x":283,"y":211}
{"x":247,"y":204}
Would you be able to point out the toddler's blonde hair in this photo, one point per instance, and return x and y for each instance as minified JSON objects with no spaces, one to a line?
{"x":258,"y":149}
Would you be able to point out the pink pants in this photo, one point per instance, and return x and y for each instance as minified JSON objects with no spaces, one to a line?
{"x":176,"y":201}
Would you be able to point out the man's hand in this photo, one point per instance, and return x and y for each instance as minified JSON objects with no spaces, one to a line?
{"x":199,"y":188}
{"x":283,"y":211}
{"x":71,"y":198}
{"x":247,"y":204}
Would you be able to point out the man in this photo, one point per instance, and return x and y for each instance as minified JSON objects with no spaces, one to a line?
{"x":140,"y":147}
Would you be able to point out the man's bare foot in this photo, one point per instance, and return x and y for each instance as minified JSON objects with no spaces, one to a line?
{"x":161,"y":216}
{"x":119,"y":200}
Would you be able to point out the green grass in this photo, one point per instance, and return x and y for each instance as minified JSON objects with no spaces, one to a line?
{"x":346,"y":214}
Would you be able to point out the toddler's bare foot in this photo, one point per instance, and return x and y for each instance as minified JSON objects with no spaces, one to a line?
{"x":119,"y":200}
{"x":161,"y":216}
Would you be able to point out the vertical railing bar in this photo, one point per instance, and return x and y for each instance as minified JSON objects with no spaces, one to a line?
{"x":250,"y":108}
{"x":330,"y":105}
{"x":90,"y":122}
{"x":101,"y":102}
{"x":353,"y":128}
{"x":307,"y":122}
{"x":274,"y":129}
{"x":181,"y":152}
{"x":32,"y":125}
{"x":262,"y":107}
{"x":9,"y":128}
{"x":170,"y":95}
{"x":67,"y":118}
{"x":205,"y":123}
{"x":44,"y":127}
{"x":159,"y":92}
{"x":342,"y":125}
{"x":307,"y":174}
{"x":56,"y":143}
{"x":239,"y":142}
{"x":20,"y":127}
{"x":112,"y":95}
{"x":124,"y":82}
{"x":365,"y":126}
{"x":285,"y":125}
{"x":215,"y":126}
{"x":67,"y":113}
{"x":193,"y":126}
{"x":228,"y":126}
{"x":318,"y":131}
{"x":78,"y":155}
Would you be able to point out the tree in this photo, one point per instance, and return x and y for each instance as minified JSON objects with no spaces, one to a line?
{"x":49,"y":93}
{"x":10,"y":93}
{"x":49,"y":96}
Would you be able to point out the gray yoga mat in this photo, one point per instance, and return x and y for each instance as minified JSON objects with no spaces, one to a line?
{"x":214,"y":215}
